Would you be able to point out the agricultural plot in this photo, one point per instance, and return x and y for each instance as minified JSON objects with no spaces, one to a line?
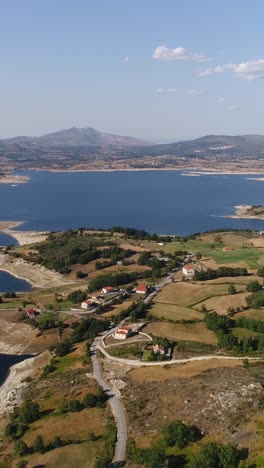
{"x":190,"y":369}
{"x":253,"y":257}
{"x":245,"y":333}
{"x":174,"y":313}
{"x":182,"y":332}
{"x":255,"y":314}
{"x":220,"y":304}
{"x":187,"y":294}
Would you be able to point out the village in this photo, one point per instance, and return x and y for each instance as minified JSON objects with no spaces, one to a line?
{"x":174,"y":313}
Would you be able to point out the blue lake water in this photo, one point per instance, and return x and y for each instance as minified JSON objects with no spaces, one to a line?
{"x":8,"y":360}
{"x":159,"y":201}
{"x":11,"y":283}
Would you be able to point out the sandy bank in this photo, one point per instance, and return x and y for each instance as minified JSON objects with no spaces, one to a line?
{"x":38,"y":276}
{"x":23,"y":237}
{"x":11,"y":391}
{"x":13,"y":179}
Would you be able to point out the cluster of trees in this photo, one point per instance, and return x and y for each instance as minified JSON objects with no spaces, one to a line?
{"x":89,"y":401}
{"x":22,"y":449}
{"x":114,"y":280}
{"x":20,"y":418}
{"x":222,"y":326}
{"x":221,"y":272}
{"x":47,"y":321}
{"x":139,"y":234}
{"x":217,"y":455}
{"x":87,"y":329}
{"x":62,"y":251}
{"x":77,"y":296}
{"x":179,"y":435}
{"x":256,"y":299}
{"x":136,"y":311}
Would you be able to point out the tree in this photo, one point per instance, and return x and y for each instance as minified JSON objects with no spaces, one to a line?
{"x":63,"y":348}
{"x":253,"y":286}
{"x":21,"y":448}
{"x":80,"y":274}
{"x":38,"y":445}
{"x":178,"y":434}
{"x":56,"y":442}
{"x":231,"y":288}
{"x":260,"y":272}
{"x":22,"y":464}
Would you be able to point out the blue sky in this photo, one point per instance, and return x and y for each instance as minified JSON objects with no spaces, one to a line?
{"x":147,"y":68}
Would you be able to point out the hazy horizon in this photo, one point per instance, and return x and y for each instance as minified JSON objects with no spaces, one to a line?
{"x":139,"y":69}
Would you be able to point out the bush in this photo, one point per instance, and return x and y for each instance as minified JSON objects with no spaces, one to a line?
{"x":178,"y":434}
{"x":253,"y":286}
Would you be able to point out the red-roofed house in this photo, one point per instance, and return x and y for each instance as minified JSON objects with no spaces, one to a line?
{"x":188,"y":270}
{"x":142,"y":289}
{"x":228,"y":248}
{"x":87,"y":304}
{"x":108,"y":289}
{"x":31,"y":313}
{"x":122,"y":333}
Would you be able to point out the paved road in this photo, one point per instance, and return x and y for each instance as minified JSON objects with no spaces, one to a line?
{"x":116,"y":407}
{"x":207,"y":357}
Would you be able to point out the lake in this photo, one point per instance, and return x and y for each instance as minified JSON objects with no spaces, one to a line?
{"x":8,"y":360}
{"x":9,"y":282}
{"x":158,"y":201}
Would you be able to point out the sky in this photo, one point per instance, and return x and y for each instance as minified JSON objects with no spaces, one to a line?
{"x":162,"y":70}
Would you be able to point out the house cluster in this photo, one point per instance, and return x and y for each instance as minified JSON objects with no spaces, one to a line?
{"x":122,"y":333}
{"x":97,"y":298}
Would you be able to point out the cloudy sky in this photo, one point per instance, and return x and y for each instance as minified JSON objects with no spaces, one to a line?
{"x":161,"y":70}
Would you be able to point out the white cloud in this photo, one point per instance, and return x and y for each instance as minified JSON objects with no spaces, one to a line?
{"x":232,"y":108}
{"x":220,"y":100}
{"x":125,"y":60}
{"x":195,"y":92}
{"x":206,"y":72}
{"x":165,"y":90}
{"x":167,"y":54}
{"x":250,"y":70}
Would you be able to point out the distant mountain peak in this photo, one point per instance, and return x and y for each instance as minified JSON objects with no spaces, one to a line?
{"x":76,"y":136}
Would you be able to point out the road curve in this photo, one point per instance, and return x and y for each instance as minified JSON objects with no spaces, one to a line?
{"x":116,"y":407}
{"x":206,"y":357}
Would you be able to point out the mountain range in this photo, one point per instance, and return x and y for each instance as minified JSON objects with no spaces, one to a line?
{"x":79,"y":145}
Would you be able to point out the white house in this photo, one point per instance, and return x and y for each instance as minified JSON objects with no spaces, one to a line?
{"x":122,"y":333}
{"x":87,"y":304}
{"x":188,"y":270}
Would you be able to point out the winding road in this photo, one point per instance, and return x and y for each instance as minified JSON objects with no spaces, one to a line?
{"x":116,"y":406}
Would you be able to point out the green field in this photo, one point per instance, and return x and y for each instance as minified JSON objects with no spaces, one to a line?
{"x":174,"y":313}
{"x":254,"y":257}
{"x":192,"y":246}
{"x":10,"y":305}
{"x":245,"y":333}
